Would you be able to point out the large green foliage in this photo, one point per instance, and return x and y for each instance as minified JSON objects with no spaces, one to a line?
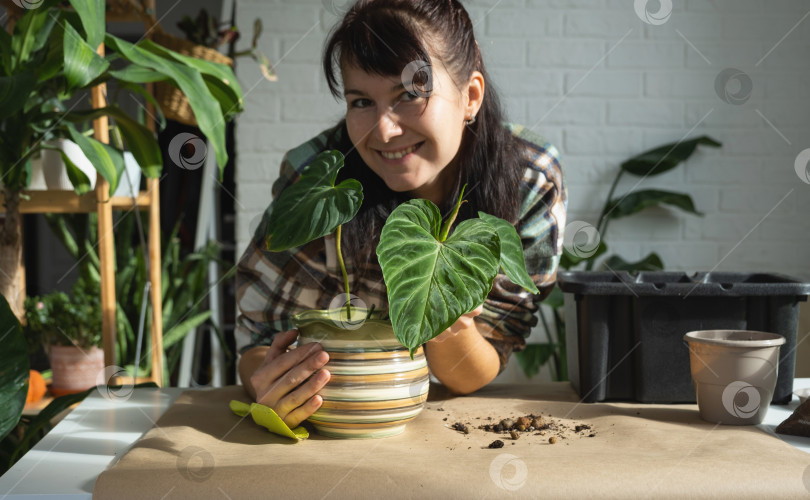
{"x":314,"y":206}
{"x":48,"y":66}
{"x":433,"y":279}
{"x":431,"y":283}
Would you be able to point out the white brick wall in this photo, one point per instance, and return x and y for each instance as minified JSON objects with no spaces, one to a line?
{"x":603,"y":85}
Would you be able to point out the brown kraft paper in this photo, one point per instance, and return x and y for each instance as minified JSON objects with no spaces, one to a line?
{"x":199,"y":449}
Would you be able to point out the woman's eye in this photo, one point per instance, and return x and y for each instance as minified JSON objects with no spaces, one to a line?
{"x":360,"y":103}
{"x":408,"y":97}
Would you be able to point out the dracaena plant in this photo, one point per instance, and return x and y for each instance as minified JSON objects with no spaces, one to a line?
{"x":432,"y":277}
{"x":48,"y":66}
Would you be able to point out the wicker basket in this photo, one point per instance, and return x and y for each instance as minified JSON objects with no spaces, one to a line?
{"x":172,"y":101}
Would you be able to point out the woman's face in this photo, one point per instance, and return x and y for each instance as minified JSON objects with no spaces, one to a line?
{"x":408,"y":140}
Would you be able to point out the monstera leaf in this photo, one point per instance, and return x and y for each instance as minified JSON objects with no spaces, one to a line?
{"x":432,"y":283}
{"x":313,"y":207}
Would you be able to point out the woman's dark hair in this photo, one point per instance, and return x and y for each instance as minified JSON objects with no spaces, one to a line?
{"x":384,"y":37}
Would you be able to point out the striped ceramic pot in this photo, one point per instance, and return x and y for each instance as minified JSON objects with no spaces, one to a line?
{"x":375,"y":388}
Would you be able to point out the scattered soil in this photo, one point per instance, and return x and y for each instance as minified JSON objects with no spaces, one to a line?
{"x":461,"y":427}
{"x":550,"y":429}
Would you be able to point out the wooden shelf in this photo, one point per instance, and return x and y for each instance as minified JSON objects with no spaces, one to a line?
{"x":68,"y":202}
{"x":100,"y":202}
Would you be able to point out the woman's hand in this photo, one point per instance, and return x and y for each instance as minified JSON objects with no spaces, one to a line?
{"x":288,"y":380}
{"x":461,"y":358}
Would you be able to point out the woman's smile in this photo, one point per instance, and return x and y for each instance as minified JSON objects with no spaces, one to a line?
{"x":400,"y":154}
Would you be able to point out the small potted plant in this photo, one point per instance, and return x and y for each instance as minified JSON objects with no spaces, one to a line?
{"x":432,"y":278}
{"x":70,"y":329}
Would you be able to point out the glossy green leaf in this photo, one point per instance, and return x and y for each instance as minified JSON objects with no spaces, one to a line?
{"x":14,"y":92}
{"x":28,"y":33}
{"x":191,"y":83}
{"x":13,"y":369}
{"x":107,"y":160}
{"x":80,"y":181}
{"x":138,"y":74}
{"x":568,"y":260}
{"x":661,"y":159}
{"x":92,"y":13}
{"x":533,"y":357}
{"x":431,"y":284}
{"x":178,"y":332}
{"x":314,"y":206}
{"x":652,"y":262}
{"x":511,"y":254}
{"x":139,"y":140}
{"x":215,"y":74}
{"x":82,"y":64}
{"x":639,"y":200}
{"x":219,"y":78}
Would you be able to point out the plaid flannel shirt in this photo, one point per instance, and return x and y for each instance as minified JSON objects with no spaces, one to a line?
{"x":273,"y":286}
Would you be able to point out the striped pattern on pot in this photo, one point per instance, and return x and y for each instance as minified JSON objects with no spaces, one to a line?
{"x":375,"y":388}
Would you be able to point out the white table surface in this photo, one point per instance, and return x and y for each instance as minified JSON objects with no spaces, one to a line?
{"x":66,"y":463}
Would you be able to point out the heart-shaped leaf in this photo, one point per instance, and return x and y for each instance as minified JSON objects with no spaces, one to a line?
{"x":431,"y":283}
{"x":313,"y":207}
{"x":512,"y":261}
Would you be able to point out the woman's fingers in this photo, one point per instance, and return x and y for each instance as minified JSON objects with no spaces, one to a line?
{"x":275,"y":367}
{"x":287,"y":372}
{"x":280,"y":344}
{"x":299,"y":404}
{"x":303,"y":412}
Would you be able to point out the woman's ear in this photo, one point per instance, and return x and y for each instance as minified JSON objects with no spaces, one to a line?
{"x":475,"y":93}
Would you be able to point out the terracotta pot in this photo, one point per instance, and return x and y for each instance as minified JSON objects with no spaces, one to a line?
{"x":74,"y":369}
{"x":376,"y":388}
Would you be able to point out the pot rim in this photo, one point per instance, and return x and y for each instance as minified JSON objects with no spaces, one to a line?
{"x":334,"y":317}
{"x":757,"y":338}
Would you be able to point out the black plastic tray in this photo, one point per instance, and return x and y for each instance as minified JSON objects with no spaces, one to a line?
{"x":624,"y":332}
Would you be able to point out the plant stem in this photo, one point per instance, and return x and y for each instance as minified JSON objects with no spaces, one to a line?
{"x":601,"y":225}
{"x":452,"y":218}
{"x":343,"y":270}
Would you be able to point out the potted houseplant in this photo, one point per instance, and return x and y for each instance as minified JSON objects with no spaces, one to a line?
{"x":50,"y":65}
{"x":423,"y":265}
{"x":70,"y":329}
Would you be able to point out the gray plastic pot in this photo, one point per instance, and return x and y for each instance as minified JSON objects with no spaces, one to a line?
{"x":734,"y":372}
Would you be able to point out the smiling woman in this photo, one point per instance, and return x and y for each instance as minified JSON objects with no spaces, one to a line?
{"x":421,"y":122}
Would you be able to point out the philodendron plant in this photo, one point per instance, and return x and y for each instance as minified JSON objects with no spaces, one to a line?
{"x":432,"y":277}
